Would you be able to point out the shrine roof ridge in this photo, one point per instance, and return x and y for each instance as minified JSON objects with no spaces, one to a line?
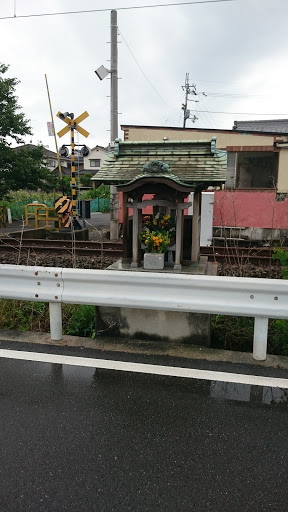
{"x":179,"y":161}
{"x":209,"y":145}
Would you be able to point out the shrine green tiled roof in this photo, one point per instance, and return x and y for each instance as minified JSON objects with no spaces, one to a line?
{"x":188,"y":162}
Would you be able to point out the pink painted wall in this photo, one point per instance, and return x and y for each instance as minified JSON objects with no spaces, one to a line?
{"x":257,"y":209}
{"x":146,"y":211}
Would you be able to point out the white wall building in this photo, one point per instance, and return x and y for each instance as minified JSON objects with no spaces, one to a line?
{"x":93,"y":162}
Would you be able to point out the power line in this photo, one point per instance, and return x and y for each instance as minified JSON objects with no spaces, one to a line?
{"x":235,"y":95}
{"x":116,"y":9}
{"x":216,"y":82}
{"x":141,"y":68}
{"x":239,"y":113}
{"x":210,"y":118}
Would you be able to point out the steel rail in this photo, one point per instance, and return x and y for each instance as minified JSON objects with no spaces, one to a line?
{"x":82,"y":248}
{"x":230,"y":255}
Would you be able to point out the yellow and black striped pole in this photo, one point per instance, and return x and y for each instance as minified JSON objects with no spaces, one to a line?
{"x":73,"y":170}
{"x":72,"y":125}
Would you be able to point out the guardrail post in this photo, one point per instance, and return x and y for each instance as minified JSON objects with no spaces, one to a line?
{"x":260,"y":338}
{"x":55,"y":321}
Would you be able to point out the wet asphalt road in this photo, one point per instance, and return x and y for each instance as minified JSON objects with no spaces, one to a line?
{"x":80,"y":439}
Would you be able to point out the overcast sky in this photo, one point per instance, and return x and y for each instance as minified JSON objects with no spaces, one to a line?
{"x":235,"y":52}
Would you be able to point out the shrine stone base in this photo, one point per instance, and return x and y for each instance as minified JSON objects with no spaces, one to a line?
{"x":156,"y":325}
{"x":202,"y":268}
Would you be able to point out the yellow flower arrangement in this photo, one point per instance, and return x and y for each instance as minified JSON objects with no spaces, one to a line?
{"x":155,"y":241}
{"x":162,"y":223}
{"x":157,"y":232}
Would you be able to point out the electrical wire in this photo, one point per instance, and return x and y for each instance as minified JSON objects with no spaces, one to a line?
{"x":235,"y":95}
{"x":172,"y":115}
{"x":116,"y":9}
{"x":238,"y":113}
{"x":207,"y":113}
{"x":144,"y":74}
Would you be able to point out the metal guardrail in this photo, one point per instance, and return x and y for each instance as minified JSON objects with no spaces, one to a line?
{"x":258,"y":298}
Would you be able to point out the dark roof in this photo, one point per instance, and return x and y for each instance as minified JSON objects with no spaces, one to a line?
{"x":47,"y":152}
{"x":266,"y":126}
{"x":99,"y":147}
{"x":182,"y":162}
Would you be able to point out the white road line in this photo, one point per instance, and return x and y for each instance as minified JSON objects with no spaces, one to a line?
{"x":151,"y":369}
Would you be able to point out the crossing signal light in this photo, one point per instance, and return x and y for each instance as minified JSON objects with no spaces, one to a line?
{"x":64,"y":151}
{"x":85,"y":151}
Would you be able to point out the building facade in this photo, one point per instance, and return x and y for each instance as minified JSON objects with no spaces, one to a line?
{"x":255,"y":197}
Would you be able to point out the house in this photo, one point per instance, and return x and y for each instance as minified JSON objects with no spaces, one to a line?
{"x":94,"y":160}
{"x":50,"y":159}
{"x":262,"y":126}
{"x":255,"y":198}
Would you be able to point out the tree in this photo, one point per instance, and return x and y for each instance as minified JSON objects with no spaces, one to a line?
{"x":85,"y":180}
{"x":21,"y":167}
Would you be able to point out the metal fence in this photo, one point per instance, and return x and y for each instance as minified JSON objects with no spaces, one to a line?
{"x":17,"y":208}
{"x":258,"y":298}
{"x":100,"y":205}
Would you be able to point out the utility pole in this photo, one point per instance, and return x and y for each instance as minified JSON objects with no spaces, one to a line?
{"x":189,"y":89}
{"x":114,"y":222}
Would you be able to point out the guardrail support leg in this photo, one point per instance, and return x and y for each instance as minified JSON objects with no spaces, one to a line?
{"x":260,"y":338}
{"x":55,"y":321}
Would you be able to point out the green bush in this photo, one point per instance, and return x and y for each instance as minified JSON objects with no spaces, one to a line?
{"x":82,"y":322}
{"x":85,"y":180}
{"x":278,"y":337}
{"x":232,"y":333}
{"x":34,"y":316}
{"x":23,"y":315}
{"x":282,"y":255}
{"x":102,"y":192}
{"x":236,"y":333}
{"x":18,"y":200}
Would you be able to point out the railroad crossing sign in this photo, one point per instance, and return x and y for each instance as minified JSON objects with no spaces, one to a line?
{"x":73,"y":123}
{"x":63,"y":207}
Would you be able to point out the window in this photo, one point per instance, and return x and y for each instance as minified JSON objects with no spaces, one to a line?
{"x":256,"y":170}
{"x":51,"y":163}
{"x":94,"y":163}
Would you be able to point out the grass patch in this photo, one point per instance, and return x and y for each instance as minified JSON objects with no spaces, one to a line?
{"x":236,"y":333}
{"x":34,"y":316}
{"x":228,"y":332}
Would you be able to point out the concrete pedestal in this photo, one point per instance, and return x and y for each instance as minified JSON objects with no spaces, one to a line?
{"x":156,"y":325}
{"x":153,"y":261}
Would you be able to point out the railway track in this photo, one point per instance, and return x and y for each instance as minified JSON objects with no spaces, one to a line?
{"x":240,"y":255}
{"x":229,"y":255}
{"x":78,"y":247}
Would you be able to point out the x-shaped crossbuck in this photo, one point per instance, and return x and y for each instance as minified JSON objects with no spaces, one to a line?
{"x":74,"y":123}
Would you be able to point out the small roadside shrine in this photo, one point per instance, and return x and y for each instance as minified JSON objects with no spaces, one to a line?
{"x":154,"y":180}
